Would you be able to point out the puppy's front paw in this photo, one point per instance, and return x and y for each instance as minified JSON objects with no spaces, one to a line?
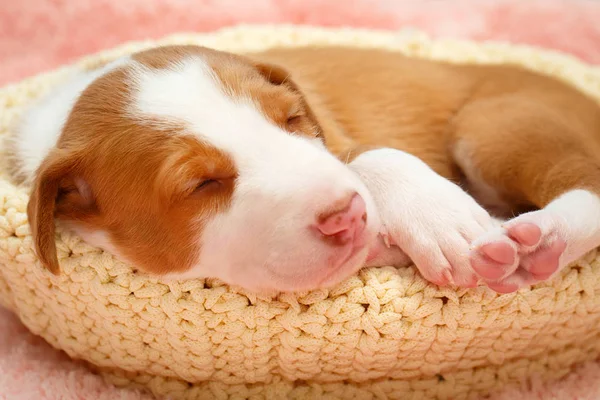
{"x":439,"y":238}
{"x":436,"y":226}
{"x":430,"y":218}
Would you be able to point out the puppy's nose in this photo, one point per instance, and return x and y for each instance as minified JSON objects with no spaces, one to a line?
{"x":343,"y":220}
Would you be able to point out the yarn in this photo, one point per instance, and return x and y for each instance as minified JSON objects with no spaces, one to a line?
{"x":384,"y":333}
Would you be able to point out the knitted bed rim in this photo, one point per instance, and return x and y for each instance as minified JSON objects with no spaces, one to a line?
{"x":385,"y":333}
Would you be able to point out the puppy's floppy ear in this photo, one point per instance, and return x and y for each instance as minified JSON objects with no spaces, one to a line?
{"x":57,"y":190}
{"x":279,"y":76}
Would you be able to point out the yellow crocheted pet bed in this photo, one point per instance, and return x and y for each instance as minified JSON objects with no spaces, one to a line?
{"x":385,"y":333}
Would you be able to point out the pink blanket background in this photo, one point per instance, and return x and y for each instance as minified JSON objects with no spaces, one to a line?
{"x":37,"y":35}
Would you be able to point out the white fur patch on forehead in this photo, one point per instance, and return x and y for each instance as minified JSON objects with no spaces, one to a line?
{"x":189,"y":92}
{"x":185,"y":91}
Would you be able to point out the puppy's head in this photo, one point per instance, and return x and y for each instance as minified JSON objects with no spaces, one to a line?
{"x":188,"y":162}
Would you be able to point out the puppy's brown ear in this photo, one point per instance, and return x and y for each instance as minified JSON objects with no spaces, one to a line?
{"x":56,"y":190}
{"x":279,"y":76}
{"x":275,"y":74}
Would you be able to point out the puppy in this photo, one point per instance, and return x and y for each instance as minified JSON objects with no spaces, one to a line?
{"x":291,"y":169}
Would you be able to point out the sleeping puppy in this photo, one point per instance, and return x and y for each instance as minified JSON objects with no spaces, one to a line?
{"x":291,"y":169}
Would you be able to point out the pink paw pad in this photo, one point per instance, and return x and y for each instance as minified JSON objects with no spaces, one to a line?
{"x":545,"y":261}
{"x":492,"y":260}
{"x":500,"y":252}
{"x":526,"y":234}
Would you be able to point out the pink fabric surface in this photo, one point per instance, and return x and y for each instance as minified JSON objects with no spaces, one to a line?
{"x":32,"y":370}
{"x":38,"y":35}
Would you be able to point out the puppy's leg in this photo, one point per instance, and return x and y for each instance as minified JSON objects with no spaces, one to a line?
{"x":530,"y":157}
{"x":428,"y":217}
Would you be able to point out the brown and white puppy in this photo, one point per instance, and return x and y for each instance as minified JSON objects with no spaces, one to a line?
{"x":292,"y":168}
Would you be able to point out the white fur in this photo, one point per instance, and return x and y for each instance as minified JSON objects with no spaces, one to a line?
{"x":581,"y":211}
{"x":263,"y":240}
{"x":42,"y":124}
{"x":433,"y":220}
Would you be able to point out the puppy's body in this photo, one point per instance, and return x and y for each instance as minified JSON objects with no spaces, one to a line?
{"x":515,"y":140}
{"x":407,"y":127}
{"x":376,"y":99}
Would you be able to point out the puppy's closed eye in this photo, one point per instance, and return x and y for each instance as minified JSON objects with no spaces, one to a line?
{"x":202,"y":185}
{"x":295,"y":119}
